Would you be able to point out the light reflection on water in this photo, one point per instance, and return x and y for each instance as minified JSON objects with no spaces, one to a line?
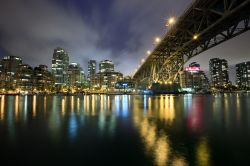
{"x":172,"y":130}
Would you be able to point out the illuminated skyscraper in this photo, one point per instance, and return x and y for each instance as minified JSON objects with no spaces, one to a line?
{"x":219,"y":72}
{"x":76,"y":76}
{"x":8,"y":68}
{"x":24,"y":78}
{"x":243,"y":75}
{"x":106,"y":66}
{"x":91,"y":69}
{"x":60,"y":63}
{"x":10,"y":64}
{"x":42,"y":79}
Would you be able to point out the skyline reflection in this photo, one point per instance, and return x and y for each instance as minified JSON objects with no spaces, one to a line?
{"x":172,"y":130}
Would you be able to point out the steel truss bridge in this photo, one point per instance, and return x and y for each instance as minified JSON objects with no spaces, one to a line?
{"x":205,"y":24}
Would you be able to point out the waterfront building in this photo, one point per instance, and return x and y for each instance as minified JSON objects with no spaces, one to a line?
{"x":106,"y":66}
{"x":43,"y":80}
{"x":60,"y":63}
{"x":219,"y":73}
{"x":8,"y":67}
{"x":91,"y":78}
{"x":193,"y":79}
{"x":76,"y":76}
{"x":107,"y":77}
{"x":127,"y":83}
{"x":24,"y":78}
{"x":91,"y":69}
{"x":243,"y":75}
{"x":107,"y":80}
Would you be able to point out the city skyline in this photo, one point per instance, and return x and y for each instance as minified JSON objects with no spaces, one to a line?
{"x":69,"y":24}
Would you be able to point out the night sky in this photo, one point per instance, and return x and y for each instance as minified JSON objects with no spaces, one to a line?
{"x":120,"y":30}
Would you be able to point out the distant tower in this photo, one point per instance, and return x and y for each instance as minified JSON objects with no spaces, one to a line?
{"x":60,"y":63}
{"x":106,"y":66}
{"x":243,"y":75}
{"x":91,"y":69}
{"x":219,"y":72}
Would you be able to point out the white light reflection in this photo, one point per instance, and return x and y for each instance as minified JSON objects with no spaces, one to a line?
{"x":145,"y":103}
{"x":117,"y":105}
{"x":25,"y":107}
{"x":125,"y":105}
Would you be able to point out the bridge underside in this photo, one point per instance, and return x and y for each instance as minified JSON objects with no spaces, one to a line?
{"x":204,"y":25}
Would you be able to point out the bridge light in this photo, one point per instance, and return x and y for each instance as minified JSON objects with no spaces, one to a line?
{"x":143,"y":60}
{"x":148,"y":52}
{"x":195,"y":37}
{"x":170,"y":21}
{"x":157,"y":40}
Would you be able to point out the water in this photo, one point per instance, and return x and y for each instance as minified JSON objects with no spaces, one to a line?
{"x":125,"y":130}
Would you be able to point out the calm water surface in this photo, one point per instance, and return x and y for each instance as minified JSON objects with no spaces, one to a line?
{"x":125,"y":130}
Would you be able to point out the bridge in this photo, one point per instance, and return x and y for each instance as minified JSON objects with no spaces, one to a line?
{"x":202,"y":26}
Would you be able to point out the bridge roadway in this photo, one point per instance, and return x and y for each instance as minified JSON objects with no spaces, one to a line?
{"x":202,"y":26}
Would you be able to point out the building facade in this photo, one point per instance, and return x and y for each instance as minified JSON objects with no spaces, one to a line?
{"x":60,"y":63}
{"x":106,"y":66}
{"x":43,"y":80}
{"x":24,"y":78}
{"x":91,"y":69}
{"x":192,"y":79}
{"x":108,"y":80}
{"x":76,"y":76}
{"x":8,"y":68}
{"x":243,"y":75}
{"x":219,"y":73}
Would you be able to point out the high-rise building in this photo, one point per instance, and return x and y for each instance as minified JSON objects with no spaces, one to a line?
{"x":243,"y":75}
{"x":219,"y":72}
{"x":76,"y":76}
{"x":10,"y":64}
{"x":43,"y":79}
{"x":60,"y":63}
{"x":106,"y":66}
{"x":8,"y":68}
{"x":192,"y":79}
{"x":24,"y":78}
{"x":91,"y":69}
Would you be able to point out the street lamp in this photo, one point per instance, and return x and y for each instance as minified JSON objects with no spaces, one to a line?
{"x":148,"y":52}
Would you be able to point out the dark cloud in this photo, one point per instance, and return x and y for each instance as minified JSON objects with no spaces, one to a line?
{"x":121,"y":31}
